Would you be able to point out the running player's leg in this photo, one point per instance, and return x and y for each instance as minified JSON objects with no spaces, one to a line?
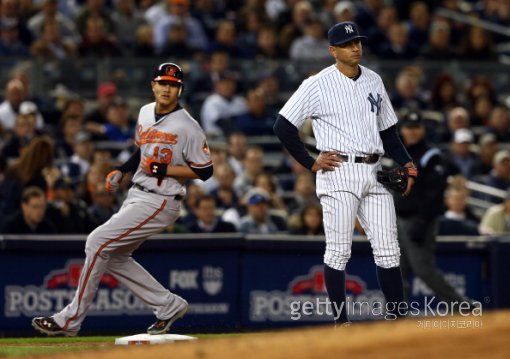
{"x":130,"y":273}
{"x":339,"y":213}
{"x":134,"y":222}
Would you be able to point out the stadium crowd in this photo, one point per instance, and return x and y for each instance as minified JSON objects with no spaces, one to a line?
{"x":52,"y":168}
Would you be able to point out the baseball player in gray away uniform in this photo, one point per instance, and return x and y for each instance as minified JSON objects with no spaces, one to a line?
{"x":354,"y":125}
{"x":172,"y":148}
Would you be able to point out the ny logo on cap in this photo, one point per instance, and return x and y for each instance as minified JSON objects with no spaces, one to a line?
{"x":348,"y":29}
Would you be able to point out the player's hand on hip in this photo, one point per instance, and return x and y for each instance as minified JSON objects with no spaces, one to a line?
{"x":327,"y":161}
{"x":113,"y":180}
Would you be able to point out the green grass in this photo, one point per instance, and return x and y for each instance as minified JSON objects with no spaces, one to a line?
{"x":16,"y":347}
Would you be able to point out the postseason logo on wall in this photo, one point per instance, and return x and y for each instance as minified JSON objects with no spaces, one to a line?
{"x":58,"y":288}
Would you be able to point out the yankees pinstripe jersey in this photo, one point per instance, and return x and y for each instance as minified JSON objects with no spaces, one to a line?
{"x":347,"y":115}
{"x":175,"y":139}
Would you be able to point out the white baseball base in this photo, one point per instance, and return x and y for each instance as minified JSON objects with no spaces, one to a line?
{"x":141,"y":339}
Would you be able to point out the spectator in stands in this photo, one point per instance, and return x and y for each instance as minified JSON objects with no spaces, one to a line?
{"x":96,"y":41}
{"x":267,"y":47}
{"x":487,"y":149}
{"x":144,"y":42}
{"x":10,"y":43}
{"x":481,"y":85}
{"x":67,"y":212}
{"x":94,"y":9}
{"x":250,"y":21}
{"x":460,"y":155}
{"x":11,"y":13}
{"x":224,"y":194}
{"x":499,"y":177}
{"x":481,"y":110}
{"x":267,"y":182}
{"x":309,"y":221}
{"x":70,"y":125}
{"x":24,"y":131}
{"x":302,"y":12}
{"x":456,"y":221}
{"x":50,"y":45}
{"x":207,"y":220}
{"x":31,"y":219}
{"x":225,"y":40}
{"x":303,"y":193}
{"x":366,"y":14}
{"x":236,"y":151}
{"x":126,"y":20}
{"x":78,"y":165}
{"x":343,"y":11}
{"x":457,"y":118}
{"x":477,"y":45}
{"x":257,"y":219}
{"x":252,"y":166}
{"x":176,"y":43}
{"x":103,"y":204}
{"x":166,"y":13}
{"x":312,"y":45}
{"x":220,"y":106}
{"x":439,"y":47}
{"x":50,"y":12}
{"x":418,"y":24}
{"x":377,"y":39}
{"x":218,"y":157}
{"x":95,"y":175}
{"x":106,"y":95}
{"x":34,"y":167}
{"x":257,"y":121}
{"x":444,"y":94}
{"x":495,"y":220}
{"x":193,"y":192}
{"x":119,"y":126}
{"x":407,"y":92}
{"x":499,"y":123}
{"x":14,"y":96}
{"x":399,"y":46}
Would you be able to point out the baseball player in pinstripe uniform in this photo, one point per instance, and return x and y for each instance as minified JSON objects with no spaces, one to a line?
{"x":354,"y":125}
{"x":172,"y":148}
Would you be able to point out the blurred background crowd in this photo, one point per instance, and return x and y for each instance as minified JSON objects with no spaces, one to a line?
{"x":74,"y":73}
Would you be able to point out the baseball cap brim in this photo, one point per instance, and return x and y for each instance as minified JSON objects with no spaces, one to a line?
{"x":348,"y":39}
{"x":167,"y":78}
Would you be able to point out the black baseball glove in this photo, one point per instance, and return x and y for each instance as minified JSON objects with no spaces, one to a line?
{"x":396,"y":178}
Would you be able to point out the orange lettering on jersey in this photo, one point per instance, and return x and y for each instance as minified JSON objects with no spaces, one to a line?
{"x":151,"y":135}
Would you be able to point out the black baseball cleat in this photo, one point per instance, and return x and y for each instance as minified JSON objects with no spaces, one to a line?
{"x":163,"y":326}
{"x":48,"y":326}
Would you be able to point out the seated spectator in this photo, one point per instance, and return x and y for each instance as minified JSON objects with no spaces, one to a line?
{"x":105,"y":96}
{"x":31,"y":219}
{"x":126,"y":19}
{"x":487,"y":149}
{"x":312,"y":46}
{"x":439,"y":45}
{"x":459,"y":156}
{"x":302,"y":12}
{"x":15,"y":95}
{"x":418,"y":24}
{"x":444,"y":94}
{"x":10,"y":43}
{"x":236,"y":151}
{"x":96,"y":41}
{"x":193,"y":192}
{"x":225,"y":39}
{"x":399,"y":47}
{"x":457,"y":220}
{"x":50,"y":45}
{"x":258,"y":120}
{"x":495,"y":220}
{"x":477,"y":45}
{"x":266,"y":182}
{"x":24,"y":132}
{"x":499,"y":176}
{"x":70,"y":126}
{"x":303,"y":193}
{"x":68,"y":213}
{"x":309,"y":221}
{"x":50,"y":12}
{"x":103,"y":204}
{"x":220,"y":106}
{"x":407,"y":92}
{"x":207,"y":220}
{"x":257,"y":219}
{"x":377,"y":39}
{"x":224,"y":194}
{"x":252,"y":166}
{"x":144,"y":42}
{"x":119,"y":126}
{"x":457,"y":118}
{"x":176,"y":44}
{"x":267,"y":44}
{"x":499,"y":123}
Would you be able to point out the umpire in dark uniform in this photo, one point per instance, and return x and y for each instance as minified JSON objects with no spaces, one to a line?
{"x":418,"y":213}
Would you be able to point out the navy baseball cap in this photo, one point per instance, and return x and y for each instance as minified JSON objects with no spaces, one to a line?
{"x":343,"y":32}
{"x":412,"y":119}
{"x":258,"y":198}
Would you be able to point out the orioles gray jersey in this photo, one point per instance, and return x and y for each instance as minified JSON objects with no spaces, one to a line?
{"x":175,"y":139}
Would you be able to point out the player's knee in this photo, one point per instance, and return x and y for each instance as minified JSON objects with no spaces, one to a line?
{"x":386,"y":261}
{"x":338,"y":261}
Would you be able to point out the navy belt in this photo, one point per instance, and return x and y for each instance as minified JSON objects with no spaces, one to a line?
{"x":370,"y":159}
{"x":177,"y":197}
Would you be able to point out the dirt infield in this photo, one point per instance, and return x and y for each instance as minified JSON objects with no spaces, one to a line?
{"x":476,"y":337}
